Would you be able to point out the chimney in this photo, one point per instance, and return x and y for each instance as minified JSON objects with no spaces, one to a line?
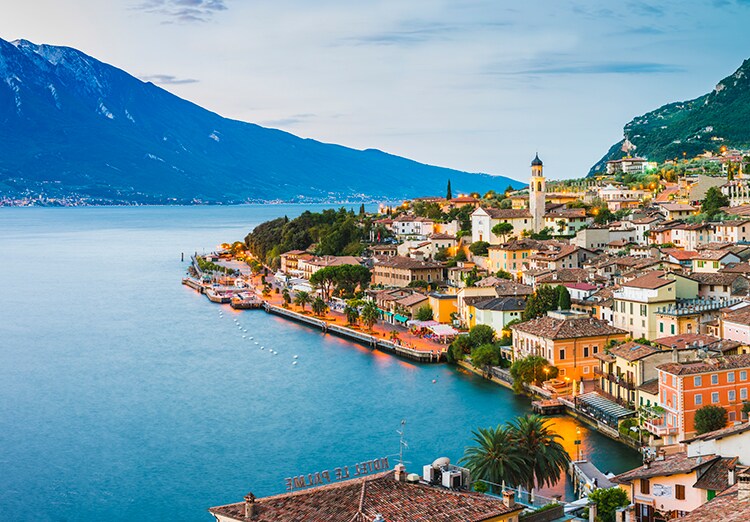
{"x":675,"y":354}
{"x":743,"y":493}
{"x":592,"y":512}
{"x":250,"y":508}
{"x":400,"y":473}
{"x":732,"y":476}
{"x":509,"y":498}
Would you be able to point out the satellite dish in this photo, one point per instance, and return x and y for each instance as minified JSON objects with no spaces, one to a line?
{"x":441,"y":462}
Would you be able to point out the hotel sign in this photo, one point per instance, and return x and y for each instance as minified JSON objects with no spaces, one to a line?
{"x":326,"y":476}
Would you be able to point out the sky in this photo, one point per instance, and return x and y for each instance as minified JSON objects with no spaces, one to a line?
{"x":476,"y":85}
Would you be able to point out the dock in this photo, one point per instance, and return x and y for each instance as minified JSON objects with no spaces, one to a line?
{"x":548,"y":407}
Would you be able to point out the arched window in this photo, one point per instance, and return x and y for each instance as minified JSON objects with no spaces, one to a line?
{"x":539,"y":186}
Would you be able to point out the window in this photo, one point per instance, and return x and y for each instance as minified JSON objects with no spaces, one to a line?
{"x":679,"y":492}
{"x":730,"y":377}
{"x":715,"y":397}
{"x":732,"y":416}
{"x":698,"y":399}
{"x":671,"y":329}
{"x":674,"y":381}
{"x":661,"y":327}
{"x":743,"y":375}
{"x":645,"y":487}
{"x":715,"y":378}
{"x":596,"y":349}
{"x":585,"y":351}
{"x":562,"y":355}
{"x":732,"y":395}
{"x":743,"y":394}
{"x":697,"y":381}
{"x":585,"y":369}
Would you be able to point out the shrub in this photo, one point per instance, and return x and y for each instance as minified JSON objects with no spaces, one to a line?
{"x":710,"y":418}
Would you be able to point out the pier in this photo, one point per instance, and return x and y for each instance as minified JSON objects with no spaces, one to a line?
{"x":587,"y":477}
{"x":548,"y":407}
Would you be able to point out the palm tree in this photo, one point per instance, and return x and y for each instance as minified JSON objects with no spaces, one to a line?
{"x":351,"y":312}
{"x":546,"y":457}
{"x":370,"y":314}
{"x":286,"y":297}
{"x":319,"y":306}
{"x":495,"y":458}
{"x":302,"y":298}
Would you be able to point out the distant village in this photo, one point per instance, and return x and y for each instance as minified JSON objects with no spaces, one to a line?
{"x":653,"y":344}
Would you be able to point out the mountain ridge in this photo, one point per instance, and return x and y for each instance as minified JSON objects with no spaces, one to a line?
{"x":73,"y":123}
{"x":704,"y":123}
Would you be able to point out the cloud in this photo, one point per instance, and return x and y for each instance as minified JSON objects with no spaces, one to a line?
{"x":167,"y":79}
{"x":412,"y":33}
{"x":288,"y":121}
{"x":594,"y":68}
{"x":183,"y":11}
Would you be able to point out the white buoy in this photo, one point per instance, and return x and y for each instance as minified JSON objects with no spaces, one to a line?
{"x":256,"y":342}
{"x":295,"y":362}
{"x":296,"y":356}
{"x":251,"y":337}
{"x":244,"y":330}
{"x":244,"y":336}
{"x":262,"y":348}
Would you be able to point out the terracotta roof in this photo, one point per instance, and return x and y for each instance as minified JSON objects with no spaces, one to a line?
{"x":566,"y":213}
{"x":509,"y":288}
{"x":716,"y":478}
{"x":675,"y":464}
{"x":715,"y":278}
{"x":723,"y":508}
{"x":650,"y":281}
{"x":412,"y":300}
{"x":439,"y":235}
{"x":552,"y":328}
{"x":365,"y":498}
{"x":726,"y":362}
{"x":738,"y":268}
{"x":680,"y":255}
{"x":677,"y":207}
{"x":580,"y":286}
{"x":464,"y":199}
{"x":720,"y":434}
{"x":519,"y":244}
{"x":645,"y":220}
{"x":568,"y":275}
{"x":293,"y":253}
{"x":555,"y":253}
{"x":633,"y":351}
{"x":651,"y":387}
{"x":741,"y":316}
{"x":712,"y":255}
{"x":507,"y":213}
{"x":407,"y":263}
{"x":685,"y":341}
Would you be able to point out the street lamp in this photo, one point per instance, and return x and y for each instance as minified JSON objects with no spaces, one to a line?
{"x":577,"y":442}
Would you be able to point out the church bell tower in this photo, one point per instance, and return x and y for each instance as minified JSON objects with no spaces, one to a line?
{"x":537,"y":193}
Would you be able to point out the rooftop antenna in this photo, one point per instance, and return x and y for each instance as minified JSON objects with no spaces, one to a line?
{"x":402,"y":443}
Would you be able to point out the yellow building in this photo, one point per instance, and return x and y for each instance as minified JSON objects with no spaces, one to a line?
{"x":444,"y":306}
{"x":513,"y":257}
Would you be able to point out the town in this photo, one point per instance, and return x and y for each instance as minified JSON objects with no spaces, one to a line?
{"x":622,"y":299}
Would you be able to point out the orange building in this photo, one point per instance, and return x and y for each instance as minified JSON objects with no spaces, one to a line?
{"x":568,"y":340}
{"x":685,"y":387}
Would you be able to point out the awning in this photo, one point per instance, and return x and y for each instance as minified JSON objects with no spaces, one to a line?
{"x":421,"y":324}
{"x":400,"y":318}
{"x":443,"y":330}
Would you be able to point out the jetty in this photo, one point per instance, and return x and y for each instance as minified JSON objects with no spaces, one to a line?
{"x":587,"y":477}
{"x":548,"y":407}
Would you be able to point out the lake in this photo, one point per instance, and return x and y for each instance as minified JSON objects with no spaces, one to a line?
{"x":127,"y":396}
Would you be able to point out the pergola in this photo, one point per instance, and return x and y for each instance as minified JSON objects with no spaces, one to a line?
{"x":602,"y":409}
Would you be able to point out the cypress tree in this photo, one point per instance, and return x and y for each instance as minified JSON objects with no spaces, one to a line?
{"x":449,"y":194}
{"x":362,"y":209}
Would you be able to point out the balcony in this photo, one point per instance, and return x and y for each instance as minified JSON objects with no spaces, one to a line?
{"x":617,"y":379}
{"x":659,"y":428}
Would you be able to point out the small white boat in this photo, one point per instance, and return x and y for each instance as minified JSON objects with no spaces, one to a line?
{"x":296,"y":356}
{"x":295,"y":362}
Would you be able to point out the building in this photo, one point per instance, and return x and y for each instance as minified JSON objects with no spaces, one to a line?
{"x":513,"y":256}
{"x":674,"y":211}
{"x":497,"y":312}
{"x":735,"y":325}
{"x":720,"y":285}
{"x":568,"y":340}
{"x":684,"y":387}
{"x":444,"y":306}
{"x":399,"y":271}
{"x":483,"y":220}
{"x":726,"y":442}
{"x":732,"y":505}
{"x":290,"y":261}
{"x":628,"y":165}
{"x":537,"y":194}
{"x":732,"y":231}
{"x":671,"y":486}
{"x":385,"y":496}
{"x":636,"y":303}
{"x":308,"y":266}
{"x":559,"y":256}
{"x":713,"y":260}
{"x":566,"y":221}
{"x":408,"y":226}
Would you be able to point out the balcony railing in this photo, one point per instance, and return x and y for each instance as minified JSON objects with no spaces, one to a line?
{"x":659,"y":428}
{"x":617,"y":379}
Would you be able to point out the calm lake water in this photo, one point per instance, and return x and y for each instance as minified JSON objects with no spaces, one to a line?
{"x":126,"y":396}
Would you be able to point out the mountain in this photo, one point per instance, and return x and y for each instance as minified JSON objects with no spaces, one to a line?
{"x":718,"y":118}
{"x":70,"y":124}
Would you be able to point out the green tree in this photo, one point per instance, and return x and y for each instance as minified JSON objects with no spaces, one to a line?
{"x":286,"y":297}
{"x":302,"y":298}
{"x":479,"y":248}
{"x":418,"y":283}
{"x":546,"y":457}
{"x":362,"y":209}
{"x":369,"y":314}
{"x":481,"y":334}
{"x":319,"y":306}
{"x":349,"y":278}
{"x":351,"y":312}
{"x":458,"y":349}
{"x":424,"y":313}
{"x":710,"y":418}
{"x":502,"y":230}
{"x":563,"y":298}
{"x":713,"y":201}
{"x":472,"y":277}
{"x":494,"y":457}
{"x":561,"y":224}
{"x":532,"y":369}
{"x":607,"y":501}
{"x":545,"y":298}
{"x":486,"y":355}
{"x":460,"y":256}
{"x":325,"y":279}
{"x":449,"y":192}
